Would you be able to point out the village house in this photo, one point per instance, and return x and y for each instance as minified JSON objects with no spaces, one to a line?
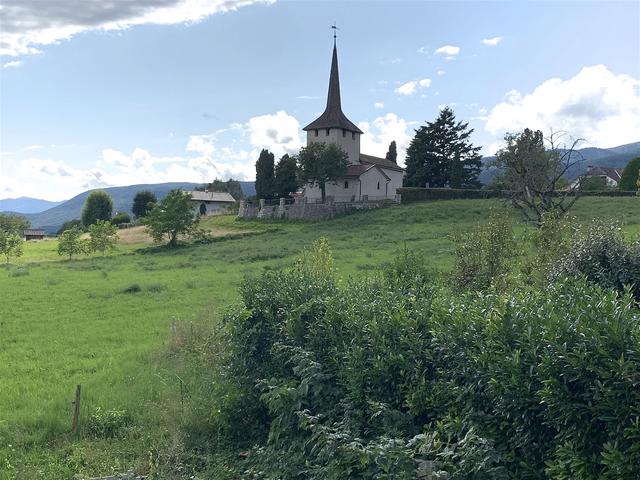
{"x":367,"y":177}
{"x":209,"y":203}
{"x":611,"y":176}
{"x":32,"y":234}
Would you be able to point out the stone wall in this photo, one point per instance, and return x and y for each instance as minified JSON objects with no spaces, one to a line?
{"x":302,"y":210}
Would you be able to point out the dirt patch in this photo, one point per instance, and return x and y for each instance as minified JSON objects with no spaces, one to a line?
{"x":138,"y":235}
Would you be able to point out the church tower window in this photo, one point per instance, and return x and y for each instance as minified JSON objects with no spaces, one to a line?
{"x":328,"y":129}
{"x":346,"y":184}
{"x":316,"y":132}
{"x":378,"y":185}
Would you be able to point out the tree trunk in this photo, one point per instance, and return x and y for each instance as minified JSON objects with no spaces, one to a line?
{"x":173,"y":239}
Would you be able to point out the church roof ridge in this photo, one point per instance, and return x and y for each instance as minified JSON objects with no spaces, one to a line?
{"x":333,"y":117}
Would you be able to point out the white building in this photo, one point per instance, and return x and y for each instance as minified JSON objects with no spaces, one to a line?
{"x":208,"y":203}
{"x":374,"y":177}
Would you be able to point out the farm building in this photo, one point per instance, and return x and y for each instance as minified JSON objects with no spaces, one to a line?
{"x":31,"y":234}
{"x":610,"y":176}
{"x":208,"y":203}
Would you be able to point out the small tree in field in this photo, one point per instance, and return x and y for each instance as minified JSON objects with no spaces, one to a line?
{"x":10,"y":244}
{"x":70,"y":244}
{"x":533,"y":172}
{"x":322,"y":163}
{"x":103,"y":236}
{"x":97,"y":206}
{"x":142,"y":203}
{"x":173,"y":216}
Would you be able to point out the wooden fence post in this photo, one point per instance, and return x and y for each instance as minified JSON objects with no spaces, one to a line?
{"x":76,"y":413}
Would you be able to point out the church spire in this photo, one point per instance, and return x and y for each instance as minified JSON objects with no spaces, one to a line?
{"x":332,"y":117}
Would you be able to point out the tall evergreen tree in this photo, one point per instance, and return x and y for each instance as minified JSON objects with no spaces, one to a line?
{"x":441,"y":154}
{"x":286,"y":176}
{"x":392,"y":153}
{"x":265,"y":179}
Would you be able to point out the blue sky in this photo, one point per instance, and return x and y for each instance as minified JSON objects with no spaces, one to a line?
{"x":96,"y":95}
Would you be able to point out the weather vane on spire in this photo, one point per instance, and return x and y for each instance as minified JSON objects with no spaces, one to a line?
{"x":335,"y":30}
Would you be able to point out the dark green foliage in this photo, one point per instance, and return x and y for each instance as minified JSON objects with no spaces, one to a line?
{"x":97,"y":206}
{"x":69,"y":224}
{"x":143,"y":202}
{"x":13,"y":223}
{"x":322,"y":163}
{"x":441,"y":154}
{"x":171,"y":217}
{"x":591,"y":184}
{"x":120,"y":218}
{"x":415,"y":194}
{"x":70,"y":243}
{"x":265,"y":176}
{"x":133,"y":288}
{"x":630,"y":175}
{"x":107,"y":423}
{"x":393,"y":377}
{"x":602,"y":256}
{"x":286,"y":176}
{"x":483,"y":255}
{"x":230,"y":186}
{"x":392,"y":153}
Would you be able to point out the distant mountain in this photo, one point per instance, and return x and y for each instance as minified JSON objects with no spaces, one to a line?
{"x":51,"y":219}
{"x":616,"y":157}
{"x":26,"y":205}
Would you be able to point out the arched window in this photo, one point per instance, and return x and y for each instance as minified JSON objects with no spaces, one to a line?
{"x":203,"y":209}
{"x":378,"y":185}
{"x":328,"y":131}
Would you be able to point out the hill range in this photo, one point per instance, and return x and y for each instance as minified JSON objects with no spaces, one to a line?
{"x":52,"y":218}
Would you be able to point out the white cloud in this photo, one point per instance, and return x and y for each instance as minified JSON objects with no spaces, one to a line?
{"x":378,"y":105}
{"x":492,"y":42}
{"x":423,"y":50}
{"x":595,"y":104}
{"x":441,"y":72}
{"x":12,"y":64}
{"x":382,"y":131}
{"x":29,"y":24}
{"x":228,"y":152}
{"x":449,"y":50}
{"x":408,"y":88}
{"x":391,"y":61}
{"x":411,"y":87}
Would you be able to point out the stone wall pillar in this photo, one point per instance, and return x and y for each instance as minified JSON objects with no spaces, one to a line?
{"x":243,"y":208}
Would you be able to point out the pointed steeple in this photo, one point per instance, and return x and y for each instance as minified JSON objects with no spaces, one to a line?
{"x":332,"y":117}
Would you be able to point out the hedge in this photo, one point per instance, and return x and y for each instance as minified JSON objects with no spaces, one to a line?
{"x":416,"y":194}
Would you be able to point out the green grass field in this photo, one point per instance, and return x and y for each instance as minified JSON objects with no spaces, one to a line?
{"x":64,"y":322}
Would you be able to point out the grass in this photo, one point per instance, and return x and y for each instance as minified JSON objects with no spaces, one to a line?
{"x":104,"y":321}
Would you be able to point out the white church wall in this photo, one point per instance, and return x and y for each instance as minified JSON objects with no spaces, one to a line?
{"x":349,"y":142}
{"x":396,"y":180}
{"x":374,"y":184}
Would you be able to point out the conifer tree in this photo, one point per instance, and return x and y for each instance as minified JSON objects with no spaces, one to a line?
{"x":265,"y":179}
{"x":286,"y":176}
{"x":441,"y":154}
{"x":392,"y":153}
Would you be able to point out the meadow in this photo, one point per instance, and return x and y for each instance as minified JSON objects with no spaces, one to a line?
{"x":105,"y":322}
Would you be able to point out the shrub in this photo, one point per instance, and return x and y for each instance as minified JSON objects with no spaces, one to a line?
{"x":107,"y":423}
{"x":601,"y":255}
{"x":392,"y":377}
{"x":483,"y":256}
{"x":121,"y":218}
{"x":133,"y":288}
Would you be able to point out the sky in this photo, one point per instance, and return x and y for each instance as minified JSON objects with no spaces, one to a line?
{"x":96,"y":94}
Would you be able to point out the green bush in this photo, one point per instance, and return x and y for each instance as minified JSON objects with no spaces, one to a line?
{"x":107,"y":423}
{"x":601,"y":255}
{"x":393,"y":377}
{"x":121,"y":218}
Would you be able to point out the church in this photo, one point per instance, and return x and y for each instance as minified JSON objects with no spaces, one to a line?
{"x":367,"y":177}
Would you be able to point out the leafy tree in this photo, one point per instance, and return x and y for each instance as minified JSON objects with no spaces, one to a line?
{"x":120,"y":218}
{"x":13,"y":223}
{"x":392,"y":153}
{"x":173,"y":216}
{"x":265,"y":179}
{"x":230,"y":186}
{"x":441,"y":154}
{"x":10,"y":244}
{"x":630,"y":175}
{"x":322,"y":163}
{"x":103,"y":236}
{"x":286,"y":176}
{"x":142,"y":203}
{"x":70,"y":243}
{"x":533,"y":173}
{"x":593,"y":184}
{"x":97,"y":206}
{"x":69,"y":224}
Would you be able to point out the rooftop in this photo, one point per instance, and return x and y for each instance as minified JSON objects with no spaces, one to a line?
{"x":206,"y":196}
